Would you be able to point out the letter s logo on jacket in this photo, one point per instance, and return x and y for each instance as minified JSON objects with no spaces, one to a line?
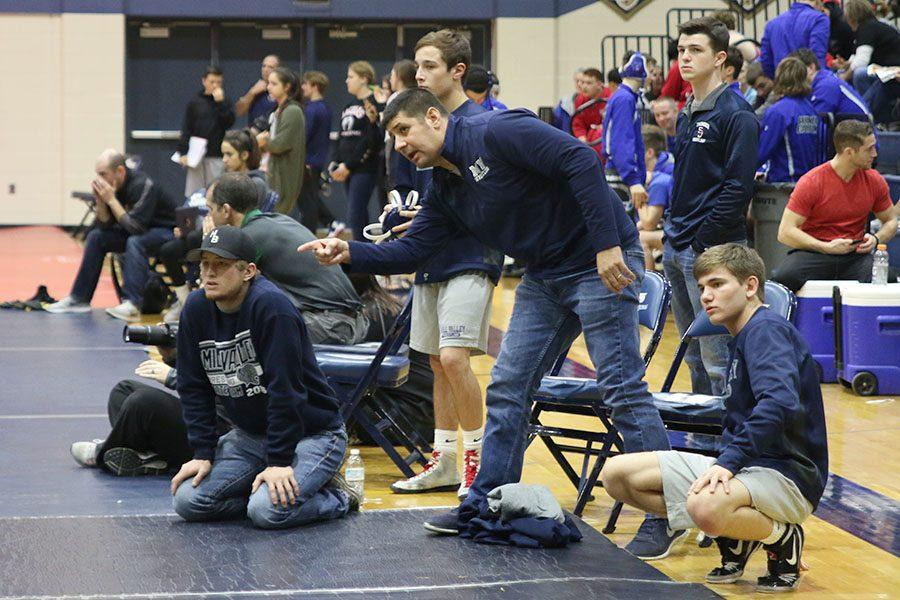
{"x":701,"y":133}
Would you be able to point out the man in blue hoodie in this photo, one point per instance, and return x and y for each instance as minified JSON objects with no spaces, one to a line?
{"x":623,"y":148}
{"x":241,"y":340}
{"x":805,"y":25}
{"x":536,"y":194}
{"x":830,"y":93}
{"x":715,"y":162}
{"x":772,"y":469}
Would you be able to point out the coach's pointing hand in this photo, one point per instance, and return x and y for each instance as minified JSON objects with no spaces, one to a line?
{"x":613,"y":271}
{"x":328,"y":251}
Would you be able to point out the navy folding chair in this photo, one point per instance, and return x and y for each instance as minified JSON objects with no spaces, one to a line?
{"x":582,"y":396}
{"x":356,"y":372}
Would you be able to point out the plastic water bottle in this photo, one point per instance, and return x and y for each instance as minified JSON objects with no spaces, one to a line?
{"x":880,"y":265}
{"x":355,"y":472}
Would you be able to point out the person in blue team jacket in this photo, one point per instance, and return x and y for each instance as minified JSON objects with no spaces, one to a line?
{"x":830,"y":93}
{"x":789,"y":141}
{"x":623,"y":148}
{"x":538,"y":195}
{"x":804,"y":25}
{"x":773,"y":464}
{"x":242,"y":341}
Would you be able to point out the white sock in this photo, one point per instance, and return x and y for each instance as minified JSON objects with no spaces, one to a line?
{"x":445,"y":441}
{"x":778,"y":530}
{"x":472,"y":439}
{"x":181,"y":292}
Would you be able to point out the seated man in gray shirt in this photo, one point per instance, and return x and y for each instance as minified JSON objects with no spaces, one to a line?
{"x":331,"y":307}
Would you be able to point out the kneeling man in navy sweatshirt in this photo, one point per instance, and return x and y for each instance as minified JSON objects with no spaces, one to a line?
{"x":771,"y":471}
{"x":242,"y":342}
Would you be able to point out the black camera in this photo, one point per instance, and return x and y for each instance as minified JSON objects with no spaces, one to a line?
{"x":151,"y":335}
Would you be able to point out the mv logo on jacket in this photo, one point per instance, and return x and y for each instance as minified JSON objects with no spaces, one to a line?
{"x":479,"y":170}
{"x":232,"y":366}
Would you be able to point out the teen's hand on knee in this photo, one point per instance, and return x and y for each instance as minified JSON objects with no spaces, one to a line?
{"x":198,"y":469}
{"x":328,"y":251}
{"x":613,"y":271}
{"x":712,"y":477}
{"x":153,"y":369}
{"x":283,"y":487}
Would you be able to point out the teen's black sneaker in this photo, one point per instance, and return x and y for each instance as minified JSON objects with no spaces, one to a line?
{"x":735,"y":554}
{"x":444,"y":523}
{"x":784,"y":558}
{"x":654,"y":539}
{"x":127,"y":462}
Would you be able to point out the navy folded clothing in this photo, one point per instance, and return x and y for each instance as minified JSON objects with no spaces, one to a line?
{"x":478,"y":524}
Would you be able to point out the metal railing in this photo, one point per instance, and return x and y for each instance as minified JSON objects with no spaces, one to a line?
{"x":751,"y":23}
{"x":614,"y":47}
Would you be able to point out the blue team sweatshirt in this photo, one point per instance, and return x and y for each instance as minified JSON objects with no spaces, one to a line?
{"x":800,"y":27}
{"x":789,"y":139}
{"x":318,"y":131}
{"x":525,"y":188}
{"x":665,"y":164}
{"x":463,"y":252}
{"x":831,"y":94}
{"x":623,"y":146}
{"x":773,"y":406}
{"x":715,"y":163}
{"x":259,"y":361}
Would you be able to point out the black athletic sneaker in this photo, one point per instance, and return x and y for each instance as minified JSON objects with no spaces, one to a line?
{"x":784,"y":562}
{"x":735,"y":554}
{"x":127,"y":462}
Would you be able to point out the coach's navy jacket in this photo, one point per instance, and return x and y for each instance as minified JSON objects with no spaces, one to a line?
{"x":715,"y":163}
{"x":463,"y":253}
{"x":789,"y":139}
{"x":773,"y":406}
{"x":524,"y":188}
{"x":833,"y":94}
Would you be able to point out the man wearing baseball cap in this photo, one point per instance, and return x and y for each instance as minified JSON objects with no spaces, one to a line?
{"x":241,"y":339}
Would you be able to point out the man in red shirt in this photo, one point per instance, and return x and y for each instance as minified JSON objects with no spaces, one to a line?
{"x":587,"y":122}
{"x":825,"y":219}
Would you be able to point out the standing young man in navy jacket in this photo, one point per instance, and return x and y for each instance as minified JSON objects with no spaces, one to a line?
{"x":537,"y":194}
{"x":773,"y":466}
{"x":715,"y":162}
{"x":451,"y":313}
{"x":241,"y":340}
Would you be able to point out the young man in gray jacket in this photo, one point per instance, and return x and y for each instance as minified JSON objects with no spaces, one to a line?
{"x":331,"y":307}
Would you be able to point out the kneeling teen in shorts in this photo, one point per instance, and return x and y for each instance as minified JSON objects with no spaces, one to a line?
{"x":773,"y":465}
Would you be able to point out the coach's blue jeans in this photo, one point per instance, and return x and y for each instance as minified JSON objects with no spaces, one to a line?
{"x":547,"y":316}
{"x":707,"y":357}
{"x":225,"y":492}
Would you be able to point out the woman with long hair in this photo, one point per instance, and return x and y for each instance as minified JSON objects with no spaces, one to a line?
{"x":789,"y":135}
{"x":241,"y":154}
{"x":286,"y":140}
{"x":358,"y":148}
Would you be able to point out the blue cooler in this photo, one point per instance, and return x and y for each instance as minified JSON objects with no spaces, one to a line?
{"x":867,"y":324}
{"x":814,"y":318}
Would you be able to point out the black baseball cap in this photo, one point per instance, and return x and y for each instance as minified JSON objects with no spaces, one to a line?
{"x":228,"y":242}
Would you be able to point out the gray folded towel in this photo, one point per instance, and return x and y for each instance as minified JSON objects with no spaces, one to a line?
{"x":516,"y":500}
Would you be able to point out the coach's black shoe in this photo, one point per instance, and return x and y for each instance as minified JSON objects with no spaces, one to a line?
{"x":735,"y":554}
{"x":444,"y":523}
{"x":784,"y":562}
{"x":126,"y":462}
